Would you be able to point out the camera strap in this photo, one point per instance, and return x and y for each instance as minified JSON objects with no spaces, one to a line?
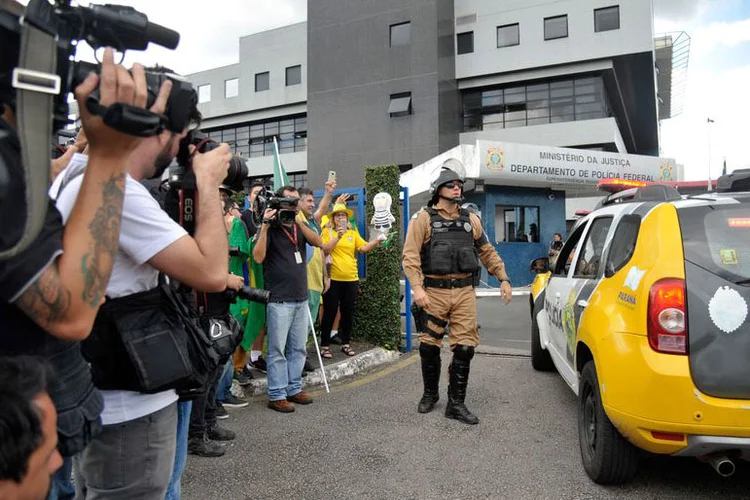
{"x":36,"y":83}
{"x":188,"y":202}
{"x":292,"y":239}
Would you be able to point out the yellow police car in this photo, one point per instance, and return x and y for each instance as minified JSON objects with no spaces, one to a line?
{"x":645,"y":317}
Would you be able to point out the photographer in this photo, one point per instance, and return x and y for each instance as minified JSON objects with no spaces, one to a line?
{"x":51,"y":291}
{"x":280,"y":247}
{"x":144,"y":425}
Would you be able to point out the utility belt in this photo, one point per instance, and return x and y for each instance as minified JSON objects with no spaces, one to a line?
{"x":150,"y":342}
{"x":451,"y":283}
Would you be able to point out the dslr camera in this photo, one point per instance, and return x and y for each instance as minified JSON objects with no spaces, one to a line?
{"x":286,"y":208}
{"x":180,"y":199}
{"x":236,"y":173}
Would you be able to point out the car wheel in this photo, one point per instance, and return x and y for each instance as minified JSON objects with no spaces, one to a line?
{"x":607,"y":457}
{"x":541,"y":360}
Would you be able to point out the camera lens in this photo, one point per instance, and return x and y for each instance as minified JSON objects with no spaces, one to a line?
{"x":236,"y":173}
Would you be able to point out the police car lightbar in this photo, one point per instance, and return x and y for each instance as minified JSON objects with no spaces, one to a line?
{"x":617,"y":185}
{"x":739,"y":180}
{"x":647,"y":192}
{"x":582,"y":213}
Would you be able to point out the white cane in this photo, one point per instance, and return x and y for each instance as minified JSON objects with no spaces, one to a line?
{"x":317,"y":349}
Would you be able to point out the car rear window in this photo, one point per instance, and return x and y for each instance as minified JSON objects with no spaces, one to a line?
{"x":717,"y":238}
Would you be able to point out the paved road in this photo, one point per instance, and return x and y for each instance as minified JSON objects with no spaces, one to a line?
{"x":504,"y":326}
{"x":365,"y":440}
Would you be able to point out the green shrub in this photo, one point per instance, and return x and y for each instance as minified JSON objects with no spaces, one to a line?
{"x":377,"y":317}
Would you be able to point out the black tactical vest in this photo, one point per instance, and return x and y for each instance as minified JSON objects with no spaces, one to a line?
{"x":450,"y":249}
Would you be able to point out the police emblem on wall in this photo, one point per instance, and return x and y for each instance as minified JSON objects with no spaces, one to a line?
{"x":666,"y":172}
{"x":495,"y":159}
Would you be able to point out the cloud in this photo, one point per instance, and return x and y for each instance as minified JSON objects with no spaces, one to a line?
{"x":209,"y":31}
{"x":720,"y":34}
{"x":686,"y":137}
{"x":686,"y":10}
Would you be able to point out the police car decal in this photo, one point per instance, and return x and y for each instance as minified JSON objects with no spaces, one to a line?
{"x":728,"y":310}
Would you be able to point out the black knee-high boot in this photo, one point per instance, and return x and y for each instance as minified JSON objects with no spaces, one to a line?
{"x":459,"y":378}
{"x":430,"y":355}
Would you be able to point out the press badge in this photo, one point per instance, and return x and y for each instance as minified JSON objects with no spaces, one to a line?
{"x":298,"y":257}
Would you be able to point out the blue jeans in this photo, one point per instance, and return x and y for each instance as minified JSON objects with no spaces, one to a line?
{"x":287,"y":332}
{"x":61,"y":487}
{"x":225,"y":382}
{"x":174,"y":490}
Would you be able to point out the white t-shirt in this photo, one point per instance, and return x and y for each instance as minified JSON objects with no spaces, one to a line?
{"x":146,"y":230}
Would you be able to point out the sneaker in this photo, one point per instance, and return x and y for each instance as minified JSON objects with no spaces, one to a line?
{"x":232,"y":401}
{"x":243,"y":378}
{"x":221,"y":412}
{"x":301,"y":398}
{"x":216,"y":433}
{"x":202,"y":447}
{"x":260,"y":364}
{"x":282,"y":406}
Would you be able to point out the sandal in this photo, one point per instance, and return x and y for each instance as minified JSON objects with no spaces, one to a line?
{"x":325,"y":352}
{"x":348,"y":350}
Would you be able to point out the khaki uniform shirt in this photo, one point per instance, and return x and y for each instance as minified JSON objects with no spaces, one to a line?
{"x":419,"y":234}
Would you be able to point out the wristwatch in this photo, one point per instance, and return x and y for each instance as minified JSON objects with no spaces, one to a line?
{"x":505,"y":281}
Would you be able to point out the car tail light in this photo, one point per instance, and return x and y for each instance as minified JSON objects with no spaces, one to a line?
{"x":667,"y":317}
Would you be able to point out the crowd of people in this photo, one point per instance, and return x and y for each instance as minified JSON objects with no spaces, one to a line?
{"x":125,"y":323}
{"x":113,"y":296}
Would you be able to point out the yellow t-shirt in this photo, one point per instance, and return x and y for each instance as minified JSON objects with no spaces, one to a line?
{"x":315,"y":264}
{"x":344,"y":254}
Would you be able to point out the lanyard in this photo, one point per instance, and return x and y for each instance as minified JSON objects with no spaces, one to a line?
{"x":293,"y":240}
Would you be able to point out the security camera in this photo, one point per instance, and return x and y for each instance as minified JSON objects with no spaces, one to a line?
{"x":551,"y":196}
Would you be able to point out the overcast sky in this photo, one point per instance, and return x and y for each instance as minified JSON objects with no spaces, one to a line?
{"x":717,"y":80}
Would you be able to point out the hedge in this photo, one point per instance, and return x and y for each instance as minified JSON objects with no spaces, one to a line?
{"x":377,"y":318}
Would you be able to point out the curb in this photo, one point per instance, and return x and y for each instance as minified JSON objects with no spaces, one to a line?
{"x":334,"y":372}
{"x":503,"y":351}
{"x":496,"y":293}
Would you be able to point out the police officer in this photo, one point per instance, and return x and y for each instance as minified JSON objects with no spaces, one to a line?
{"x":443,"y":247}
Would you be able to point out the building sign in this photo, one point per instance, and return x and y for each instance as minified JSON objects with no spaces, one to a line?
{"x":521,"y":162}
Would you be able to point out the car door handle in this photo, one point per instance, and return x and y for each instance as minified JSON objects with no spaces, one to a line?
{"x":583,"y":303}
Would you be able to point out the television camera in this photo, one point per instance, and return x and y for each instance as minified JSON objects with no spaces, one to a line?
{"x":42,"y":77}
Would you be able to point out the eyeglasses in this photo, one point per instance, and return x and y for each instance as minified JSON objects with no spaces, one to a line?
{"x":452,"y":184}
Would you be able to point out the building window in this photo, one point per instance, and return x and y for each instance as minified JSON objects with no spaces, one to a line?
{"x":508,"y":35}
{"x":465,"y":42}
{"x":231,"y":88}
{"x":400,"y":104}
{"x":293,"y":75}
{"x":255,"y":139}
{"x":405,"y":167}
{"x":607,"y":19}
{"x":556,"y":27}
{"x":204,"y":93}
{"x":262,"y":81}
{"x":401,"y":34}
{"x":556,"y":101}
{"x":516,"y":224}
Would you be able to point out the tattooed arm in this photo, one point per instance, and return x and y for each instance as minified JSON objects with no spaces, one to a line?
{"x":65,"y":297}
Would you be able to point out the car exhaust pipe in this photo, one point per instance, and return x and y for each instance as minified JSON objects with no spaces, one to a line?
{"x":722,"y":465}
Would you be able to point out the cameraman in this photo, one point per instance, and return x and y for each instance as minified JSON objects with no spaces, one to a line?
{"x":51,"y":292}
{"x":134,"y":454}
{"x":280,"y":247}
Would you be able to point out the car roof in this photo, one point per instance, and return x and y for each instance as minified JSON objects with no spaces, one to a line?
{"x":685,"y":201}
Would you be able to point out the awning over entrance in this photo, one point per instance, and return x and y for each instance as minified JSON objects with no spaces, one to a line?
{"x":575,"y":171}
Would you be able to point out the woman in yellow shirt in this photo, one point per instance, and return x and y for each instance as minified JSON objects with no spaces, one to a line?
{"x":342,"y":243}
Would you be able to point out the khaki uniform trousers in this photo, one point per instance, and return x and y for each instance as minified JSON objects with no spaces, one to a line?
{"x":458,"y":306}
